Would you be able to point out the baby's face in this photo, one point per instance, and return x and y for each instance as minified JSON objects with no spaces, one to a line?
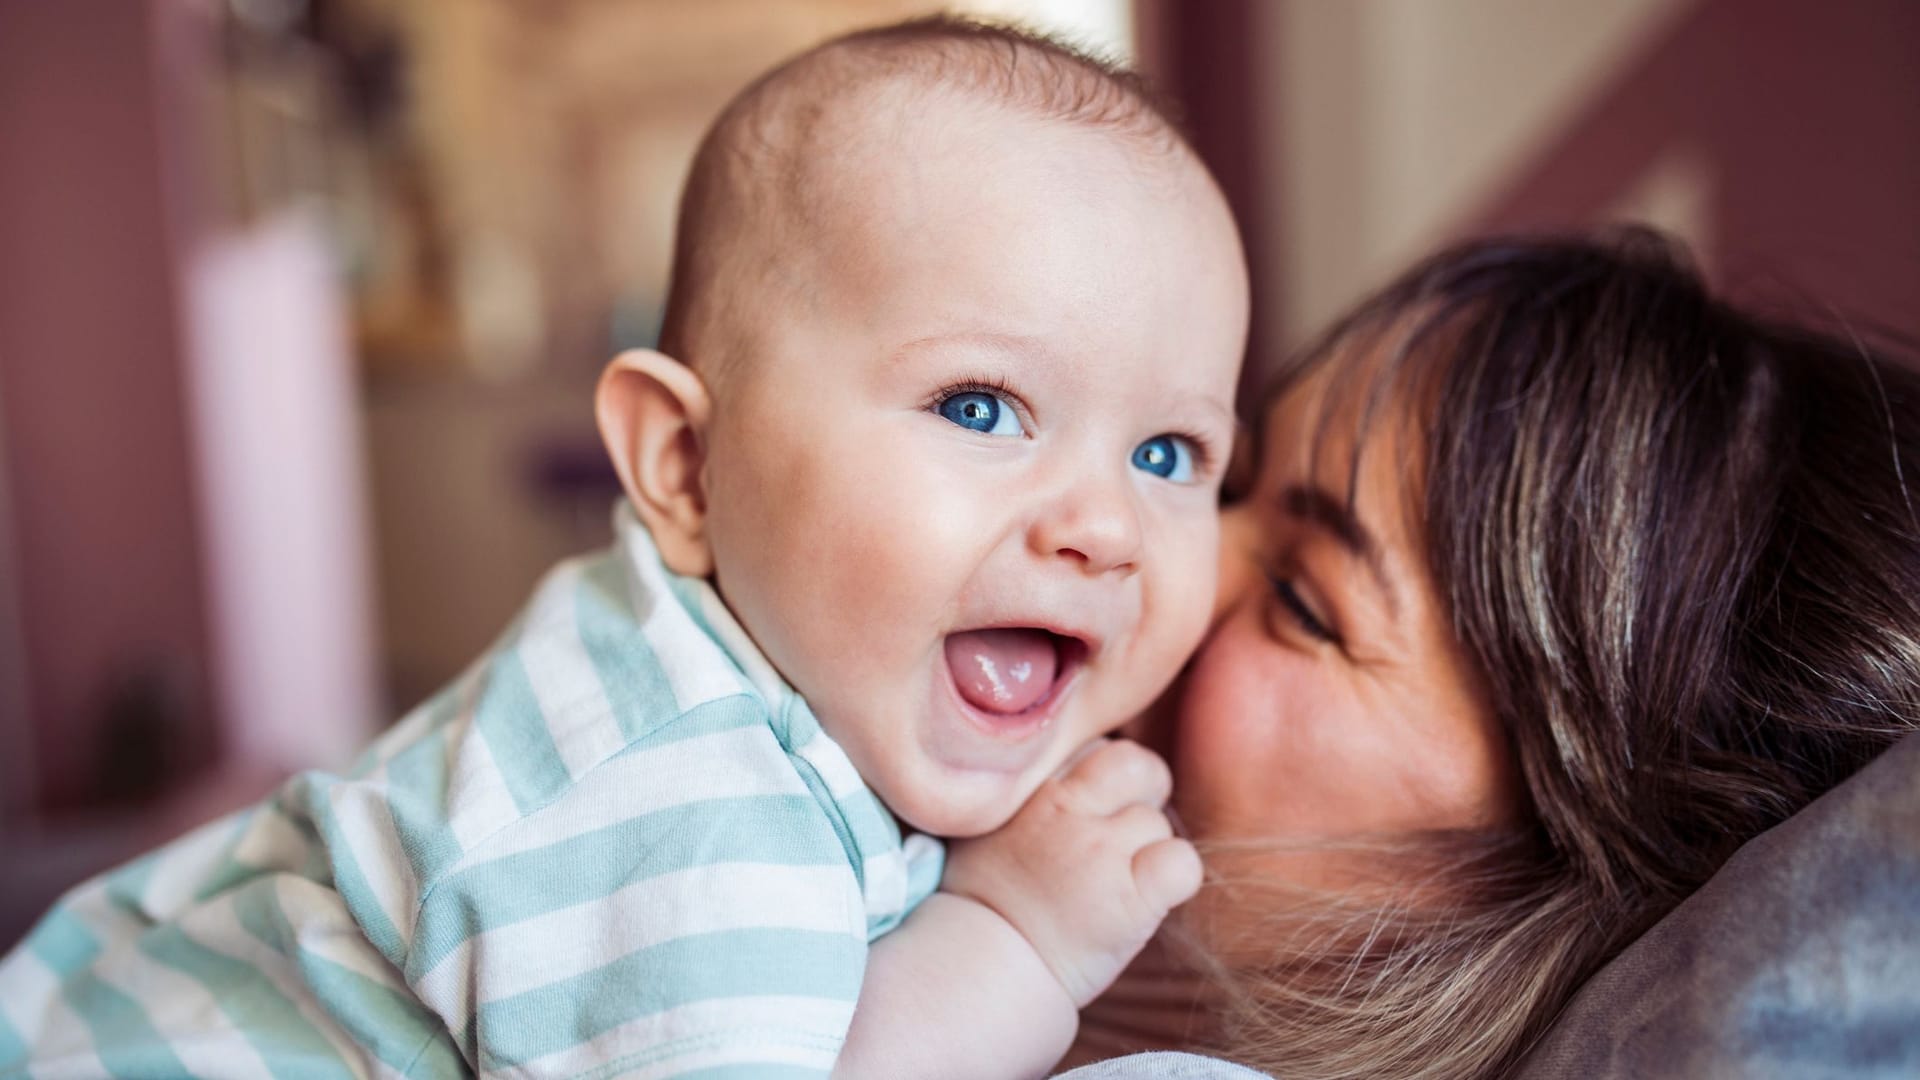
{"x":963,"y":490}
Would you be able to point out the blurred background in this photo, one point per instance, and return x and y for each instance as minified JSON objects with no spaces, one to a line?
{"x":301,"y":301}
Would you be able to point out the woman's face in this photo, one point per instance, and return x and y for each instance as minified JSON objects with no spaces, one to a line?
{"x":1331,"y":699}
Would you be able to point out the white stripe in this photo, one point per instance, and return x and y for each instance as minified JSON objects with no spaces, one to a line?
{"x":405,"y":732}
{"x":181,"y":1009}
{"x":30,"y":999}
{"x":886,"y":883}
{"x":575,"y":940}
{"x":741,"y":762}
{"x":563,"y":677}
{"x":842,"y":780}
{"x":764,"y":1053}
{"x":183,"y":867}
{"x":732,"y":1016}
{"x":216,"y":926}
{"x":919,"y":849}
{"x":740,"y":645}
{"x":421,"y":721}
{"x":272,"y":842}
{"x":479,"y":803}
{"x":696,"y":669}
{"x":324,"y":927}
{"x":366,"y":827}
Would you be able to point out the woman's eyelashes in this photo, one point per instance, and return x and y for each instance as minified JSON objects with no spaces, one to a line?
{"x":1300,"y":611}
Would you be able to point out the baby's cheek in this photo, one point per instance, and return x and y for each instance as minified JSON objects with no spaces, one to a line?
{"x":1176,"y":620}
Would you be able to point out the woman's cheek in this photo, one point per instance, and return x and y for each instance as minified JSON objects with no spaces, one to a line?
{"x":1228,"y":724}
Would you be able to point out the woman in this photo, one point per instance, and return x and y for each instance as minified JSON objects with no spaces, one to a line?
{"x":1559,"y":580}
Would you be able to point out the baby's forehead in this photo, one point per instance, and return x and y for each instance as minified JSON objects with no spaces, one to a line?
{"x":808,"y":168}
{"x":817,"y":117}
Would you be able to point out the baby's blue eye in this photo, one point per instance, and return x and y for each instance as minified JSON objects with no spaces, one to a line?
{"x":1168,"y":456}
{"x":976,"y":410}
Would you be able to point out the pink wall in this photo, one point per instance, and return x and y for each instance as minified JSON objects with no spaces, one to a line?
{"x":91,"y":397}
{"x":1206,"y":58}
{"x":1808,"y":116}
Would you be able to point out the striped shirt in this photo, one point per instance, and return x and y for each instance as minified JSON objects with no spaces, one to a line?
{"x":619,"y":845}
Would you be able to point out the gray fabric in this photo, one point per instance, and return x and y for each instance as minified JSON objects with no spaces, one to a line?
{"x":1801,"y":958}
{"x":1162,"y":1066}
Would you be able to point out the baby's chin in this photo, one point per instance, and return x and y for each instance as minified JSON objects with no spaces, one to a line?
{"x":974,"y":806}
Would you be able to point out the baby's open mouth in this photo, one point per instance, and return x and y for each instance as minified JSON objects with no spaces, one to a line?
{"x":1012,"y":669}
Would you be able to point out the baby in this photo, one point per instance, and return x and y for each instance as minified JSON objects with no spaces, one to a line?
{"x":930,"y":453}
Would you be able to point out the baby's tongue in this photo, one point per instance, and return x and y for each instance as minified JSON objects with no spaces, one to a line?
{"x":1002,"y":671}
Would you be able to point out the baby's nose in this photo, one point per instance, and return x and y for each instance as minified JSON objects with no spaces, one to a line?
{"x":1095,"y":524}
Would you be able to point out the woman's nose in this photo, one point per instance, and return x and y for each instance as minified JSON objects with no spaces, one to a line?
{"x":1095,"y":522}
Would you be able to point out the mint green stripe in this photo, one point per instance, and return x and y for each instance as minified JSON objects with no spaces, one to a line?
{"x":870,"y":821}
{"x":443,"y":706}
{"x":630,"y":673}
{"x":270,"y":1022}
{"x":835,"y":816}
{"x":62,"y":941}
{"x":395,"y":1027}
{"x":225,"y":872}
{"x":345,"y":873}
{"x":799,"y":723}
{"x":711,"y":718}
{"x":688,"y":595}
{"x":785,"y":830}
{"x":127,"y":886}
{"x":702,"y":967}
{"x":508,"y":716}
{"x":123,"y":1037}
{"x":391,"y":1025}
{"x":293,"y":804}
{"x":417,"y":802}
{"x":438,"y":1057}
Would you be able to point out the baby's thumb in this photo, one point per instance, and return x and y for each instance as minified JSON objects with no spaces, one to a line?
{"x":1166,"y":873}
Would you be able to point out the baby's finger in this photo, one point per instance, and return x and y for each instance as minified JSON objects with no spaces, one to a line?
{"x":1137,"y":825}
{"x":1118,"y":774}
{"x":1073,"y":761}
{"x":1166,"y":873}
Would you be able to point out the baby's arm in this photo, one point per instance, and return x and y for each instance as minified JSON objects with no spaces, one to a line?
{"x":986,"y":978}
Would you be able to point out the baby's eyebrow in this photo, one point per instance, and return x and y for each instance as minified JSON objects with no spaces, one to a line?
{"x":1024,"y":347}
{"x":1221,"y":412}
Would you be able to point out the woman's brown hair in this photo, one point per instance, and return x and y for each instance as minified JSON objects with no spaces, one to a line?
{"x":1681,"y":543}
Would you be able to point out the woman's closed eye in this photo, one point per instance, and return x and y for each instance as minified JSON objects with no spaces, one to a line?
{"x":1301,"y":612}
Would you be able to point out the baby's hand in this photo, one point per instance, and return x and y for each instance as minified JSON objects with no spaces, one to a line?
{"x":1087,"y":869}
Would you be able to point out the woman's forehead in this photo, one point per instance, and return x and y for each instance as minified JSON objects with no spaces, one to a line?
{"x":1349,"y":405}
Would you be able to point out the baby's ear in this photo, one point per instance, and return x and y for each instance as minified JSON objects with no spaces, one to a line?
{"x":652,"y":411}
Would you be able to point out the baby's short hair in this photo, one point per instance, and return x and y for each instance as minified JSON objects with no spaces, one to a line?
{"x":755,"y":171}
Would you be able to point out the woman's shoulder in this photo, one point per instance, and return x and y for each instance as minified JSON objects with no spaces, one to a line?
{"x":1798,"y":958}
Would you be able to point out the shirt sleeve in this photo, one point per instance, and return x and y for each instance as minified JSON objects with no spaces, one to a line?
{"x":684,"y":906}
